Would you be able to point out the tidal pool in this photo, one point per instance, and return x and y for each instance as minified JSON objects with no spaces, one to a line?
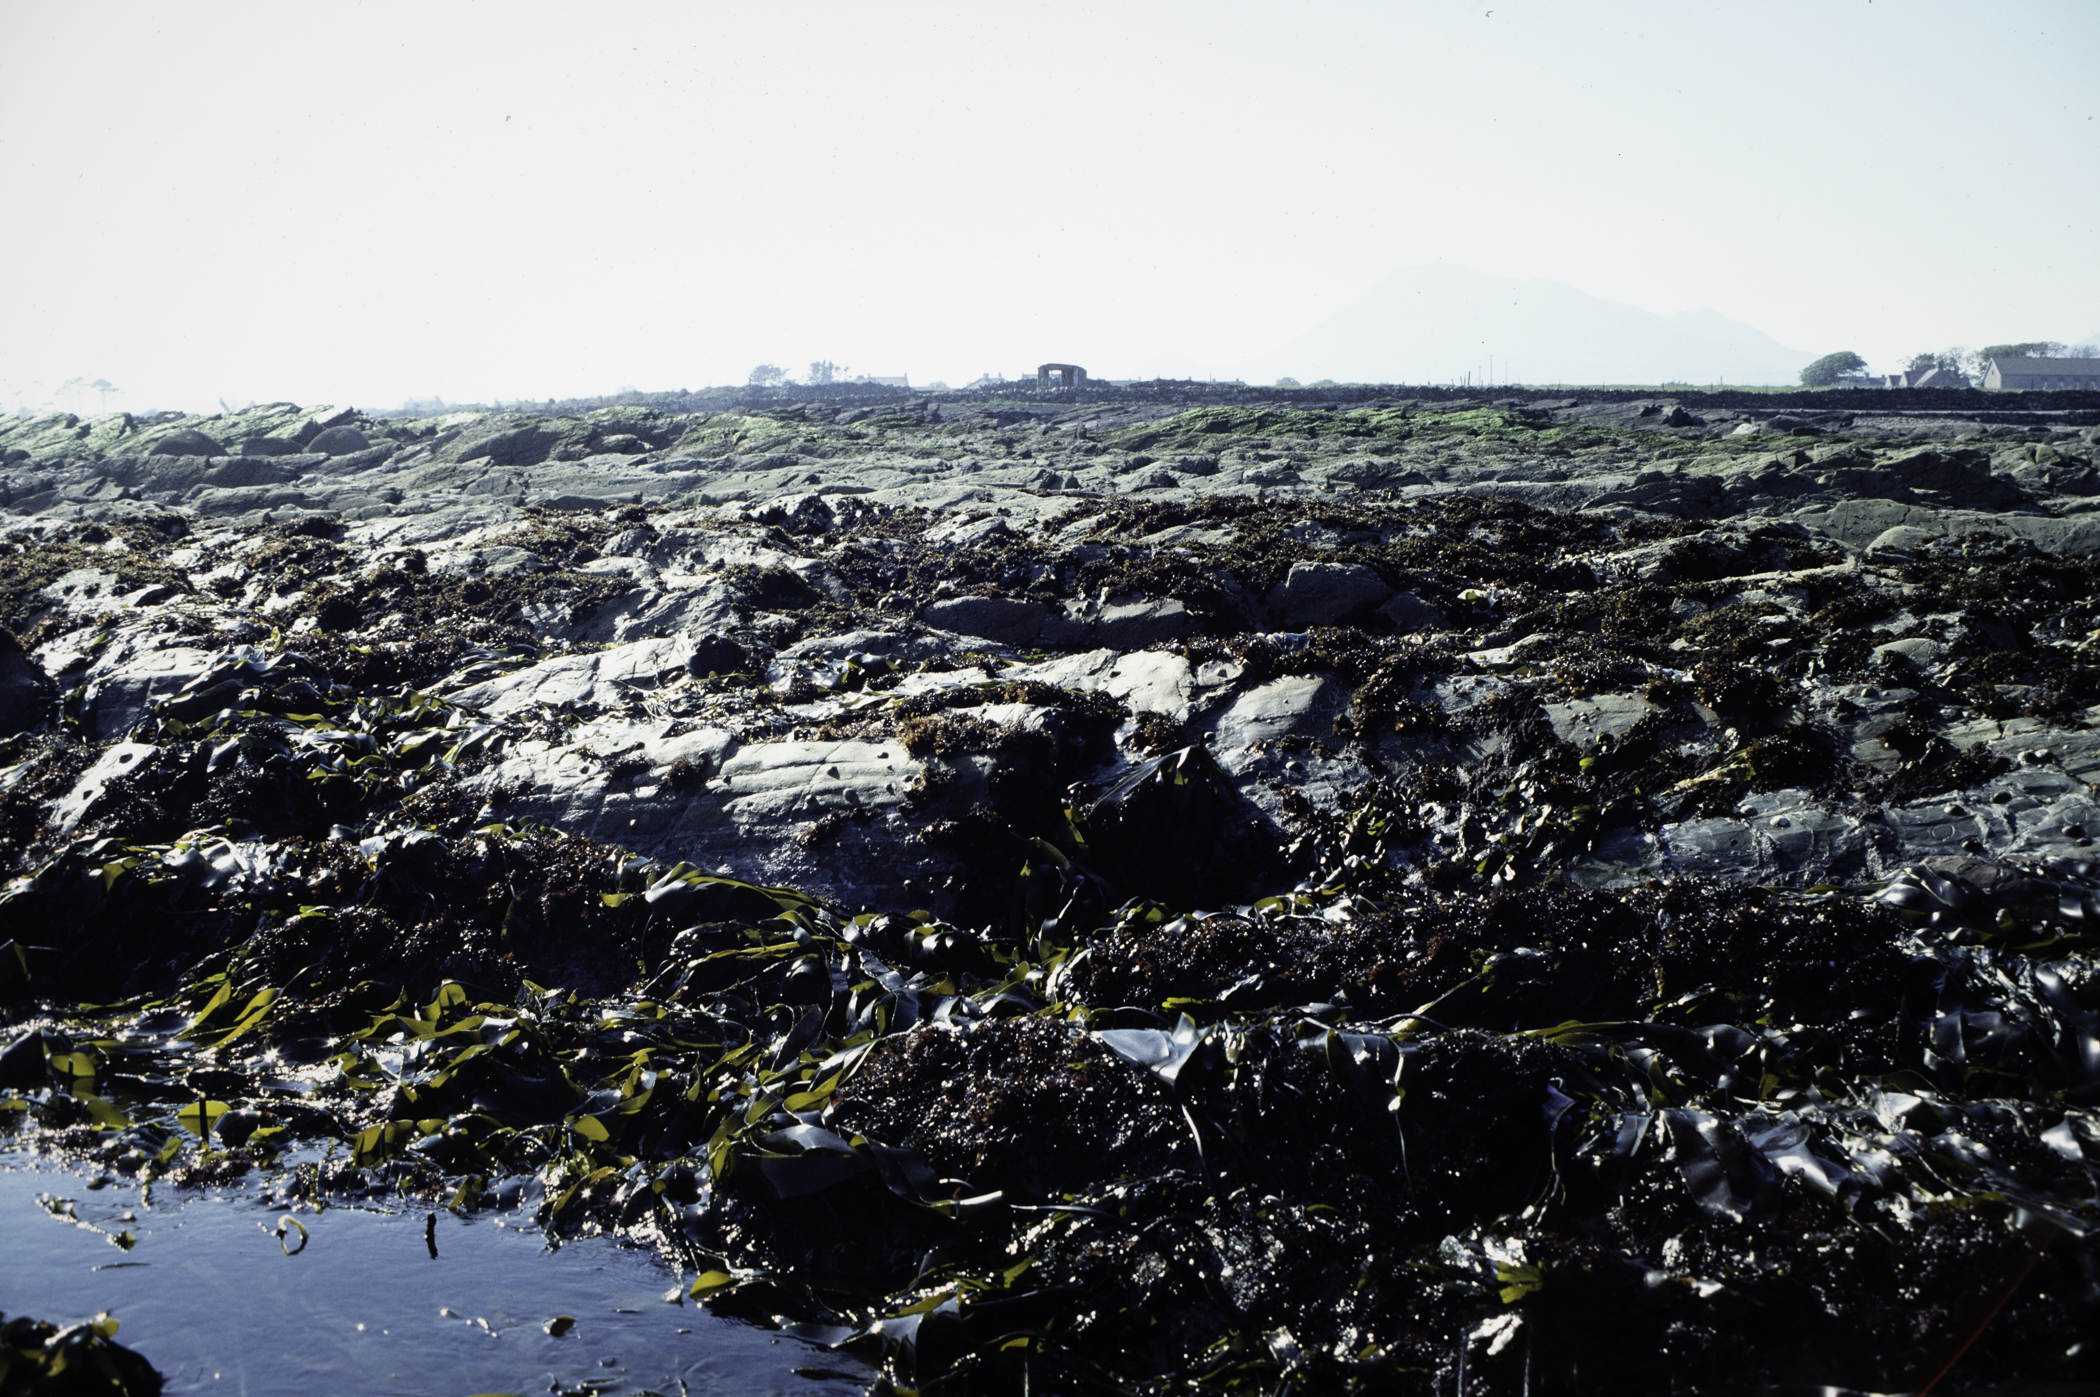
{"x":208,"y":1293}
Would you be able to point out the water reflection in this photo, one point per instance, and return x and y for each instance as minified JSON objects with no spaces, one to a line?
{"x":223,"y":1294}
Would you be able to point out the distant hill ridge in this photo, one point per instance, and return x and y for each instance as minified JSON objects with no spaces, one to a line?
{"x":1435,"y":324}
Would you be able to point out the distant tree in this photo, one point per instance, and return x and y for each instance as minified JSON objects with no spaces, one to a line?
{"x":2032,"y":349}
{"x":766,"y":376}
{"x":1826,"y":370}
{"x":1956,"y":359}
{"x":1288,"y":383}
{"x":824,"y":371}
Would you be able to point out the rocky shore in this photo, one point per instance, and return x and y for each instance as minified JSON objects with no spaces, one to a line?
{"x":1122,"y":890}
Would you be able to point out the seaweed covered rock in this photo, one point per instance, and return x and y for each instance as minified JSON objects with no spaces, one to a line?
{"x":1176,"y":831}
{"x":1156,"y":890}
{"x":1023,"y":1107}
{"x":40,"y":1359}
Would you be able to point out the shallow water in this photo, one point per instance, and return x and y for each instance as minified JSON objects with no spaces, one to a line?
{"x":209,"y":1296}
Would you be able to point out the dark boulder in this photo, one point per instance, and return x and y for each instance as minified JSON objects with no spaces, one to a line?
{"x":339,"y":441}
{"x":717,"y":654}
{"x":25,"y":690}
{"x":187,"y":442}
{"x":1176,"y":829}
{"x":1321,"y":594}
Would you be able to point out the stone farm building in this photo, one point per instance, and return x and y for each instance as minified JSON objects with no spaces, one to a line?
{"x":2043,"y":373}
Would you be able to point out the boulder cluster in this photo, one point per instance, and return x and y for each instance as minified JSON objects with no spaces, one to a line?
{"x":1111,"y":889}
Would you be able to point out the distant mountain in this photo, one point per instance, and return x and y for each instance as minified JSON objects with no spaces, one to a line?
{"x":1438,"y":323}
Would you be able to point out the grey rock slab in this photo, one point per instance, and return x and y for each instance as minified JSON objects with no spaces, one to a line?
{"x":1026,"y":717}
{"x":2069,"y":536}
{"x":1810,"y":845}
{"x":158,"y":475}
{"x":1272,"y":779}
{"x":1857,"y":523}
{"x":639,"y":571}
{"x":1133,"y":625}
{"x":1186,"y":534}
{"x":118,"y":696}
{"x":1781,"y":837}
{"x":1294,"y":704}
{"x":2078,"y":754}
{"x":79,"y":595}
{"x":770,"y":784}
{"x":2062,"y":828}
{"x":1918,"y":650}
{"x":121,"y":760}
{"x":1410,"y":614}
{"x":271,"y":446}
{"x":642,"y":613}
{"x":600,"y":679}
{"x":1622,"y":858}
{"x":1148,"y":681}
{"x":893,"y":645}
{"x":1903,"y":541}
{"x":935,"y":682}
{"x":2029,"y":813}
{"x":607,"y":782}
{"x":1943,"y":825}
{"x":768,"y":815}
{"x":1121,"y":625}
{"x":248,"y":504}
{"x":1458,"y":692}
{"x":1000,"y":619}
{"x":966,"y":532}
{"x":499,"y":561}
{"x":1869,"y":750}
{"x":935,"y":496}
{"x":1718,"y":847}
{"x":1582,"y":721}
{"x":699,"y":551}
{"x":2030,"y":744}
{"x":1320,"y":594}
{"x":628,"y":543}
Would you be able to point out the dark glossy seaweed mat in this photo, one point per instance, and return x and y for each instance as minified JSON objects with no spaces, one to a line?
{"x":1434,"y":1125}
{"x":1686,"y":1137}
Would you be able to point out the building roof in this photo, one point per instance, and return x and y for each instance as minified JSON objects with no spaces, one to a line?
{"x":2059,"y":368}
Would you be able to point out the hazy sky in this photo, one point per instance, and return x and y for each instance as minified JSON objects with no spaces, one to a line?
{"x":366,"y":202}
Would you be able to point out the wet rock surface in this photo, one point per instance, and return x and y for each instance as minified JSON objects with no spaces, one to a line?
{"x":1123,"y":891}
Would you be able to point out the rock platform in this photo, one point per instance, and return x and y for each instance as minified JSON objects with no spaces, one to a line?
{"x":1522,"y":738}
